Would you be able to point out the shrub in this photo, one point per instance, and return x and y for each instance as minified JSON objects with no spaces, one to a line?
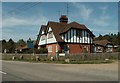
{"x":43,"y":50}
{"x":29,"y":51}
{"x":118,"y":49}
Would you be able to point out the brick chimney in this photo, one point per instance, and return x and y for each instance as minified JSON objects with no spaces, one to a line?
{"x":63,"y":19}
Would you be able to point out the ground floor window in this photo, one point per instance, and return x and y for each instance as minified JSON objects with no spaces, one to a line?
{"x":109,"y":50}
{"x":49,"y":48}
{"x":86,"y":49}
{"x":99,"y":49}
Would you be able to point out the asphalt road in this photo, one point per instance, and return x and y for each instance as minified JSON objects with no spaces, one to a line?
{"x":25,"y":71}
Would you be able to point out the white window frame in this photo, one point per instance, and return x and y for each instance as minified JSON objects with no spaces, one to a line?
{"x":49,"y":48}
{"x":42,"y":39}
{"x":50,"y":33}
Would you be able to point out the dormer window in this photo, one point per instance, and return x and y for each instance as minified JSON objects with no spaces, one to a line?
{"x":50,"y":35}
{"x":43,"y":37}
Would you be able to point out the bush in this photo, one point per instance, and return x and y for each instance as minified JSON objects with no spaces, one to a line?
{"x":118,"y":49}
{"x":43,"y":50}
{"x":35,"y":50}
{"x":29,"y":51}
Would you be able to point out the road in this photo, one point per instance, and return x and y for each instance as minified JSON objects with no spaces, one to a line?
{"x":26,"y":71}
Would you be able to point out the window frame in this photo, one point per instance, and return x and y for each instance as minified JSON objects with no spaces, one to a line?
{"x":50,"y":33}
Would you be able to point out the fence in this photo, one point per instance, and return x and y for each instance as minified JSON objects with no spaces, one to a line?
{"x":9,"y":56}
{"x":94,"y":56}
{"x":72,"y":57}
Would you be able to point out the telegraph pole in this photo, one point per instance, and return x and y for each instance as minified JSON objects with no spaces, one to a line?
{"x":67,"y":11}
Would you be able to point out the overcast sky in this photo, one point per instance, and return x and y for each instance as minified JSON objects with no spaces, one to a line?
{"x":23,"y":20}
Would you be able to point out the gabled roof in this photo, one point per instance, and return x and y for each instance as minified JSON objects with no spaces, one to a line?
{"x":43,"y":28}
{"x":74,"y":25}
{"x":102,"y":42}
{"x":59,"y":28}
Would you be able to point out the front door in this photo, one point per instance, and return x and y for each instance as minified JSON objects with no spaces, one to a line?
{"x":66,"y":49}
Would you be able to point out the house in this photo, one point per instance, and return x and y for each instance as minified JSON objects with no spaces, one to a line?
{"x":25,"y":47}
{"x":64,"y":37}
{"x":21,"y":48}
{"x":103,"y":46}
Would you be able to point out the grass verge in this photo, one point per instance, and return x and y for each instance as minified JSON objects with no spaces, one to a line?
{"x":63,"y":62}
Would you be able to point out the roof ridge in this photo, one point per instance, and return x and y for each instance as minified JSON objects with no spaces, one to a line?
{"x":76,"y":23}
{"x":102,"y":40}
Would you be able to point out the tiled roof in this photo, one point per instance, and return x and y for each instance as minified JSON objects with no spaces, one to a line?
{"x":43,"y":28}
{"x":59,"y":28}
{"x":102,"y":42}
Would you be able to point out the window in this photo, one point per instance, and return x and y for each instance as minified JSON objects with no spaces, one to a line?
{"x":56,"y":48}
{"x":99,"y":49}
{"x":87,"y":34}
{"x":43,"y":37}
{"x":78,"y":33}
{"x":86,"y":49}
{"x":49,"y":48}
{"x":50,"y":35}
{"x":109,"y":50}
{"x":66,"y":36}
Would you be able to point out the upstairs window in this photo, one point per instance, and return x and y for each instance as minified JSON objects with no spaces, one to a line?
{"x":50,"y":35}
{"x":87,"y":34}
{"x":78,"y":33}
{"x":43,"y":37}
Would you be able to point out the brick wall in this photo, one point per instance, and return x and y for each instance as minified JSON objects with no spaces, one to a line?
{"x":77,"y":48}
{"x":53,"y":52}
{"x":73,"y":48}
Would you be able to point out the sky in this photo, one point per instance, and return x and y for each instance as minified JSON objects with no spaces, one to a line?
{"x":22,"y":20}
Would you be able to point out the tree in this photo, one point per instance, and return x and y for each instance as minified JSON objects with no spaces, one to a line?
{"x":118,"y":49}
{"x":111,"y":35}
{"x":30,"y":43}
{"x":114,"y":38}
{"x":100,"y":37}
{"x":21,"y":42}
{"x":11,"y":46}
{"x":4,"y":46}
{"x":119,"y":38}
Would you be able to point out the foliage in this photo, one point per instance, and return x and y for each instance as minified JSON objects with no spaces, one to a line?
{"x":118,"y":49}
{"x":46,"y":59}
{"x":35,"y":50}
{"x":43,"y":50}
{"x":21,"y":42}
{"x":4,"y":46}
{"x":114,"y":38}
{"x":11,"y":46}
{"x":28,"y":51}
